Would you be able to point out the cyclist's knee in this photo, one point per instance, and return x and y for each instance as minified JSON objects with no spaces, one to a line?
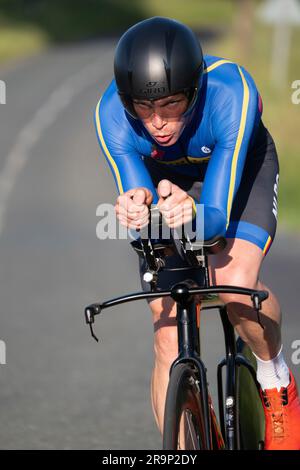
{"x":238,"y":276}
{"x":165,"y":331}
{"x":237,"y":265}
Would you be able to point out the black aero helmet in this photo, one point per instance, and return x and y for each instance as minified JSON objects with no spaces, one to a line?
{"x":156,"y":58}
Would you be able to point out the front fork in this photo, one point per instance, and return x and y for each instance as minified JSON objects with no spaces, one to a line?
{"x":229,"y":418}
{"x":189,"y":351}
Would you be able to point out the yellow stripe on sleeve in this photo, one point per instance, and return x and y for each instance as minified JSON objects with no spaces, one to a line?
{"x":238,"y":144}
{"x":106,"y":151}
{"x":217,"y":64}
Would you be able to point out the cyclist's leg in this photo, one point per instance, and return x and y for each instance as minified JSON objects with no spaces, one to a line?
{"x":165,"y":352}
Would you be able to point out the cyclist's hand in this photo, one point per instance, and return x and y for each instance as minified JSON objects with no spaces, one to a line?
{"x":176,"y":206}
{"x":132,"y":208}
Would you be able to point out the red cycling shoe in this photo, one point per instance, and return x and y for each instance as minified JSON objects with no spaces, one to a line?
{"x":282,"y":417}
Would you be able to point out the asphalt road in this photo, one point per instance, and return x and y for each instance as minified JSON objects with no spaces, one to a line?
{"x":60,"y":389}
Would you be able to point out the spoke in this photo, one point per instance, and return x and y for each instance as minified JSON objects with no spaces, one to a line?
{"x":189,"y":437}
{"x":190,"y":429}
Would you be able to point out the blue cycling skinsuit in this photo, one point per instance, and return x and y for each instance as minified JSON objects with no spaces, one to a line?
{"x":225,"y":158}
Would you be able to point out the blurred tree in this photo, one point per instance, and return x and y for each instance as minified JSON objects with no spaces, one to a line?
{"x":67,"y":20}
{"x":244,"y":22}
{"x":283,"y":15}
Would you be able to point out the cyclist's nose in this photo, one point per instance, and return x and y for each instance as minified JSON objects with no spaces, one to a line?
{"x":157,"y":121}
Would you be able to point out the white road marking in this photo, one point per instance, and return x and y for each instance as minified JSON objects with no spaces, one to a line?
{"x":33,"y":130}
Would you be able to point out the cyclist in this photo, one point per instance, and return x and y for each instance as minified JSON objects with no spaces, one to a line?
{"x":178,"y":128}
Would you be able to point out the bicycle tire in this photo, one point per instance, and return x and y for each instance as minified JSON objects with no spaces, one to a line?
{"x":251,"y":415}
{"x":183,"y":397}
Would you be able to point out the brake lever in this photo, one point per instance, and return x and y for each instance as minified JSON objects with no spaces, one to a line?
{"x":154,"y":264}
{"x":185,"y":248}
{"x":257,"y":300}
{"x":90,"y":313}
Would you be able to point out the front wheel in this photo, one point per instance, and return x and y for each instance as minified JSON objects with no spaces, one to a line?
{"x":183,"y":420}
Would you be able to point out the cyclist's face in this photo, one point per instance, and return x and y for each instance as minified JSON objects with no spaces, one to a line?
{"x":163,"y":118}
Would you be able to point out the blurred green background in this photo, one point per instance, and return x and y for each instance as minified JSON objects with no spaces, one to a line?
{"x":29,"y":26}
